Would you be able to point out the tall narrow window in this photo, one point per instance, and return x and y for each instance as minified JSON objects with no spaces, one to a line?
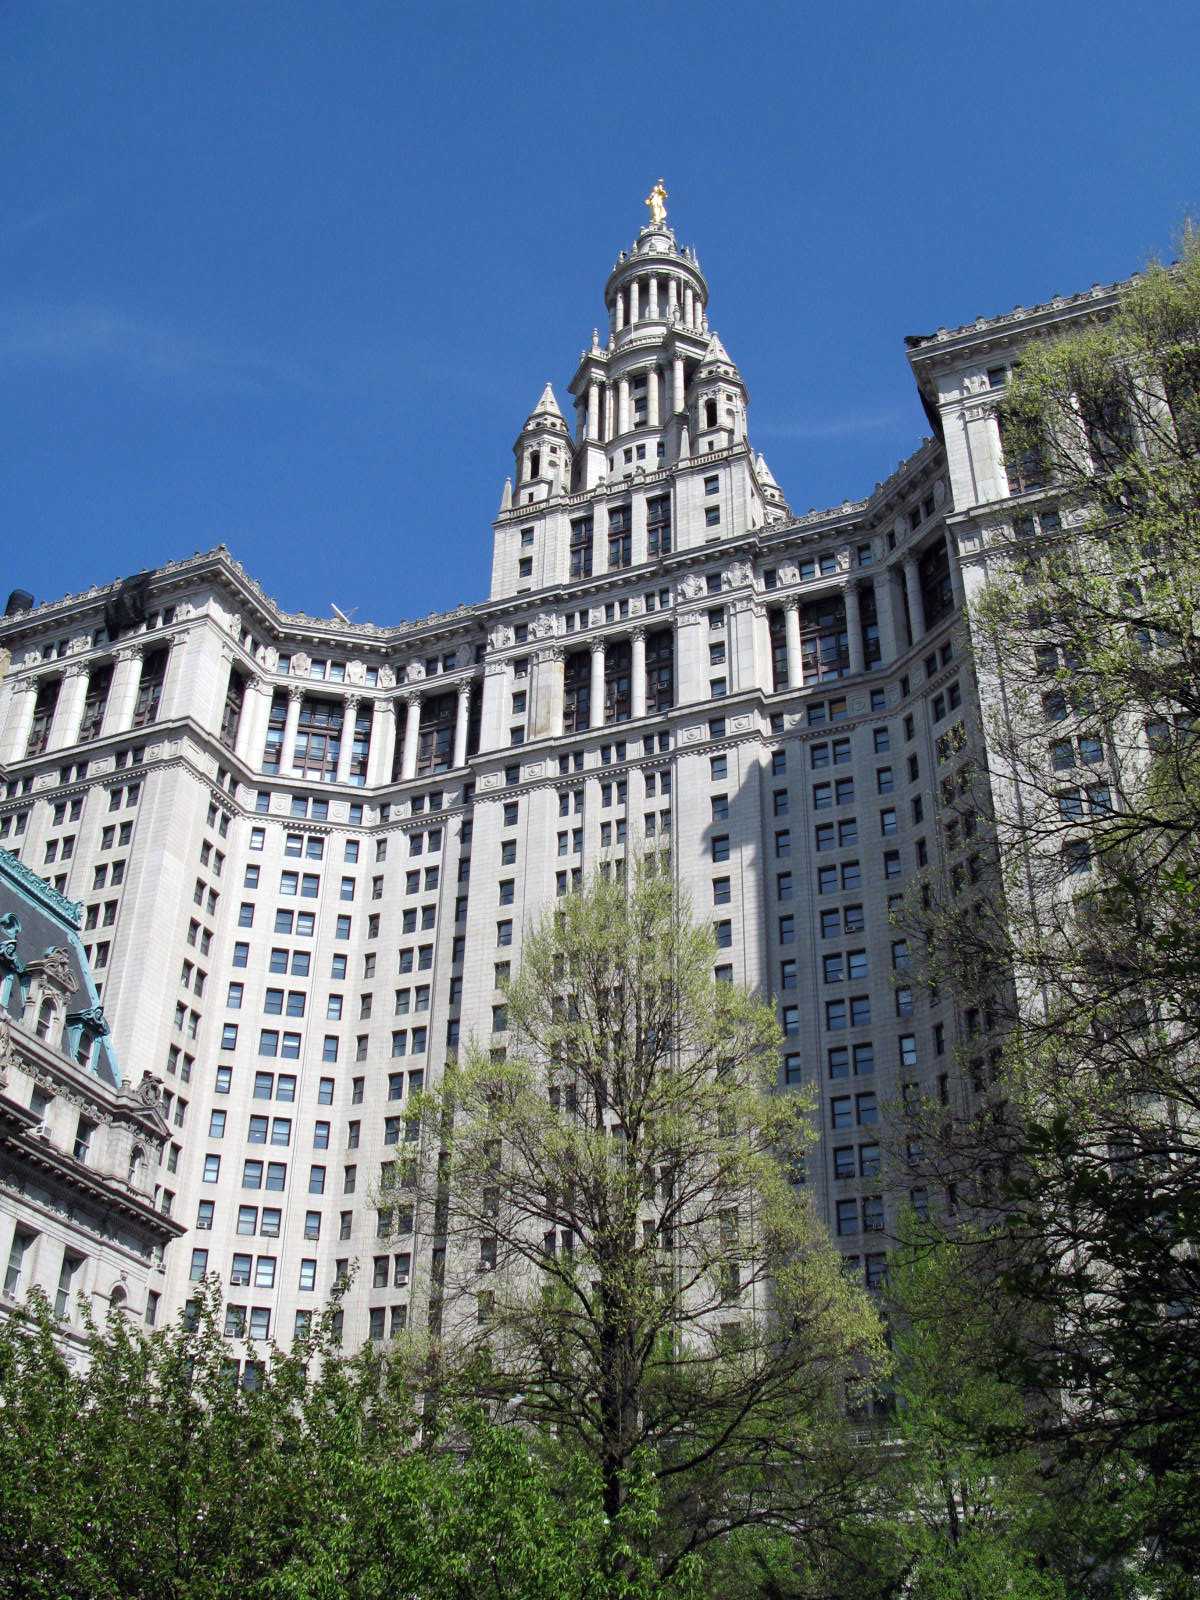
{"x":577,"y":692}
{"x":824,"y":643}
{"x":319,"y":739}
{"x":99,"y":684}
{"x":435,"y":743}
{"x":779,"y":651}
{"x":581,"y":547}
{"x":231,"y":713}
{"x":660,"y":671}
{"x":617,"y":660}
{"x":43,"y":716}
{"x":620,"y":538}
{"x":150,"y":688}
{"x":658,"y":525}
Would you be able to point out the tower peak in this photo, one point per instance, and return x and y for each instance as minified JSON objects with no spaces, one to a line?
{"x":547,"y":406}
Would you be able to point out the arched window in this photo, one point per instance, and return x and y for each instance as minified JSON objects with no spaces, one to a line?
{"x":710,"y":413}
{"x":535,"y":463}
{"x":118,"y":1299}
{"x":137,"y":1165}
{"x":45,"y":1019}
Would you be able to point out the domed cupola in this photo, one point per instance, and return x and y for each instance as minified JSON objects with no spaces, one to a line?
{"x":655,"y":282}
{"x":718,"y":399}
{"x":543,"y":453}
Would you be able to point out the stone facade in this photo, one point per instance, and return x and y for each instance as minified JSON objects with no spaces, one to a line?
{"x":80,"y":1148}
{"x":308,"y":849}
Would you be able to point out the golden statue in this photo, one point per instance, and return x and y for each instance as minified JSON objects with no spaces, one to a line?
{"x":655,"y":200}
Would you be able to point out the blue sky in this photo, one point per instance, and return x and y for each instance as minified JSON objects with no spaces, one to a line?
{"x":291,"y":273}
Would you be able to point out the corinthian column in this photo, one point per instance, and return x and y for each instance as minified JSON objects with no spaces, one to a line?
{"x":916,"y":606}
{"x":383,"y":741}
{"x":461,"y":723}
{"x":412,"y":734}
{"x":596,"y":714}
{"x":854,"y":636}
{"x":346,"y":748}
{"x":637,"y":670}
{"x":791,"y":624}
{"x":68,"y":713}
{"x":287,"y":754}
{"x":122,"y":697}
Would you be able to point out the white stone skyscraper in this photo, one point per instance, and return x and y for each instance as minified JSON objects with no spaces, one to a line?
{"x":308,"y":849}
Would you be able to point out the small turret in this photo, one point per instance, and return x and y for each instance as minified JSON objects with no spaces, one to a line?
{"x":718,"y":399}
{"x":544,"y":454}
{"x":773,"y":496}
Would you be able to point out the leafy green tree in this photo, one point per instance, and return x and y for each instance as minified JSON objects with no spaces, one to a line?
{"x":153,"y":1472}
{"x":1081,"y":1149}
{"x":631,"y":1266}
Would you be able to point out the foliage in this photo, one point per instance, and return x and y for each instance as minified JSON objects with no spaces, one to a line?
{"x":154,"y":1473}
{"x":1081,"y":1149}
{"x":629,"y":1259}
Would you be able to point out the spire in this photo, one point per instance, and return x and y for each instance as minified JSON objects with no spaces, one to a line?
{"x":506,"y":495}
{"x":717,"y":355}
{"x":547,"y":406}
{"x":773,"y":496}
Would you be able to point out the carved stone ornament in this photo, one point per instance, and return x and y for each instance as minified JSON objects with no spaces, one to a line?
{"x":301,"y":664}
{"x":500,"y":637}
{"x":267,"y":656}
{"x":233,"y":622}
{"x":387,"y":677}
{"x":690,"y":587}
{"x":415,"y":671}
{"x":56,"y":964}
{"x":10,"y":932}
{"x":356,"y":672}
{"x":975,"y":383}
{"x":737,"y":574}
{"x":149,"y":1091}
{"x":185,"y":609}
{"x":788,"y":572}
{"x":542,"y":626}
{"x":93,"y":1019}
{"x":80,"y":643}
{"x":8,"y":1053}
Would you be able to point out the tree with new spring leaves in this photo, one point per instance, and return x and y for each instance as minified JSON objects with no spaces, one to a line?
{"x":154,"y":1474}
{"x":631,"y":1260}
{"x":1083,"y":1147}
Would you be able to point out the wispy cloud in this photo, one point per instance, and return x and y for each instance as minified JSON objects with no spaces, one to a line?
{"x":80,"y":336}
{"x":15,"y":229}
{"x":836,"y":427}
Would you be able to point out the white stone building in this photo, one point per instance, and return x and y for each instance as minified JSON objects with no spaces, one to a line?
{"x":307,"y":849}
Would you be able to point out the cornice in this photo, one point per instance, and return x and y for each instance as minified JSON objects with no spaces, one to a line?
{"x":69,"y":911}
{"x":1099,"y":299}
{"x":219,"y":566}
{"x":105,"y":1193}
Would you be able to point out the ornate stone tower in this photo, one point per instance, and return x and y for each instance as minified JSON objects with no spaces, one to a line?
{"x":660,"y":414}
